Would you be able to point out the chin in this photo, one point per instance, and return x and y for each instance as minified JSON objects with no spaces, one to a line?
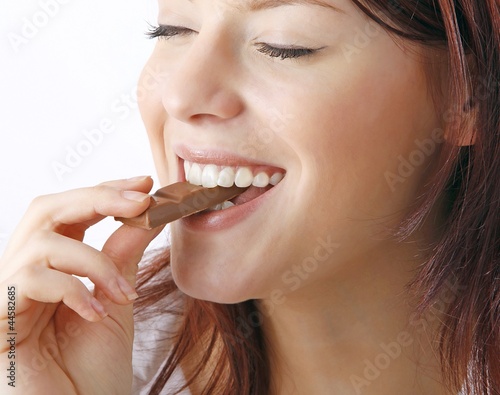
{"x":202,"y":279}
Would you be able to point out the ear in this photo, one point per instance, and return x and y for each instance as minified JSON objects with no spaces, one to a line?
{"x":468,"y":125}
{"x":465,"y":118}
{"x":465,"y":121}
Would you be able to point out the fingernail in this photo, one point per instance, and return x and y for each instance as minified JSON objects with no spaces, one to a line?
{"x":138,"y":197}
{"x":139,"y":178}
{"x":98,"y":308}
{"x":126,"y":288}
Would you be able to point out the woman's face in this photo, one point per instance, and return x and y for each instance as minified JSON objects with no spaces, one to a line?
{"x":311,"y":90}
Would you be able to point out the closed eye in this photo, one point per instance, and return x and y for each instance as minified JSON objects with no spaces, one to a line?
{"x":293,"y":52}
{"x":285,"y":52}
{"x":168,"y":31}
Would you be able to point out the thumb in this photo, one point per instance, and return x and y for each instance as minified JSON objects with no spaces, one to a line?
{"x":126,"y":247}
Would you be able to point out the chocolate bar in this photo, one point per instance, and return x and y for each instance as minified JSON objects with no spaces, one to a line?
{"x":180,"y":200}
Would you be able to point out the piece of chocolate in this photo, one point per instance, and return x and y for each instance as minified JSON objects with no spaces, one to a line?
{"x":180,"y":200}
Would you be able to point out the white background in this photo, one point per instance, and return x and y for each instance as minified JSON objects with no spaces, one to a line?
{"x":77,"y":62}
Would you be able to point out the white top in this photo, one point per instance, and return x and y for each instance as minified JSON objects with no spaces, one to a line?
{"x":150,"y":352}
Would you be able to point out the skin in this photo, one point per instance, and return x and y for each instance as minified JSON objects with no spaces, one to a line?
{"x":326,"y":140}
{"x":58,"y":330}
{"x":357,"y":115}
{"x":344,"y":122}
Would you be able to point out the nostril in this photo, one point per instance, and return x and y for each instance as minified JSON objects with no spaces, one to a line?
{"x":199,"y":91}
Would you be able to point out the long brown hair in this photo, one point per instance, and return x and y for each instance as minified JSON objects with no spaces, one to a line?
{"x":234,"y":358}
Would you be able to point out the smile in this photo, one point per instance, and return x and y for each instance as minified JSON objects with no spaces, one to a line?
{"x":258,"y":179}
{"x":210,"y":176}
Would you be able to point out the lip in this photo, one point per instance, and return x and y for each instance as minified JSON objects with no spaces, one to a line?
{"x":215,"y":221}
{"x":218,"y":157}
{"x":212,"y":221}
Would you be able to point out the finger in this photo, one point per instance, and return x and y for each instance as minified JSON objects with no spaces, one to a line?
{"x":138,"y":184}
{"x":126,"y":247}
{"x":82,"y":206}
{"x":40,"y":284}
{"x":141,"y":184}
{"x":73,"y":257}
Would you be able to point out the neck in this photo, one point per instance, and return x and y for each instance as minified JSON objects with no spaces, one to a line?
{"x":354,"y":333}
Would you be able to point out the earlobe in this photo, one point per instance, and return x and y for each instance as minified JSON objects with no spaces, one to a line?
{"x":469,"y":124}
{"x":466,"y":125}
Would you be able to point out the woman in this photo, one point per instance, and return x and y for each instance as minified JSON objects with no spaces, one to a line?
{"x":364,"y":260}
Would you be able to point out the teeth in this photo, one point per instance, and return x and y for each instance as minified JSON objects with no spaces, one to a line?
{"x":244,"y":177}
{"x":226,"y":177}
{"x":276,"y":178}
{"x":195,"y":174}
{"x":222,"y":206}
{"x":209,"y":176}
{"x":212,"y":175}
{"x":187,"y":167}
{"x":261,"y":180}
{"x":227,"y":204}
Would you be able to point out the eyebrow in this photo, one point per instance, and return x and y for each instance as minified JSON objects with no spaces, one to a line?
{"x":255,"y":5}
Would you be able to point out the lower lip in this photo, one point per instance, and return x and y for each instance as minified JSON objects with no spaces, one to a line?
{"x":213,"y":221}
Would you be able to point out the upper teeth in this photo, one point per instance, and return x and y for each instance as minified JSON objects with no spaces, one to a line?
{"x":210,"y":176}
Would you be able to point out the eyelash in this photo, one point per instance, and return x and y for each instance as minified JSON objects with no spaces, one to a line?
{"x":168,"y":31}
{"x":285,"y":53}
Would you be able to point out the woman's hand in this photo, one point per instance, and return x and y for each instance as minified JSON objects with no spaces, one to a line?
{"x":66,"y":340}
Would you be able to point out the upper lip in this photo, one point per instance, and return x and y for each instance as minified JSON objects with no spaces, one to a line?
{"x":216,"y":157}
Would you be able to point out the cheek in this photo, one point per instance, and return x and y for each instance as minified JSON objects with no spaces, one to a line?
{"x":356,"y":126}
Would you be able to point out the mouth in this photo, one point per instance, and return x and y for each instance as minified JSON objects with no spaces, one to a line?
{"x":257,"y":178}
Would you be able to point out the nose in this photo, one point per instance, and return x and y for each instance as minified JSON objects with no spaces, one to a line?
{"x":202,"y":83}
